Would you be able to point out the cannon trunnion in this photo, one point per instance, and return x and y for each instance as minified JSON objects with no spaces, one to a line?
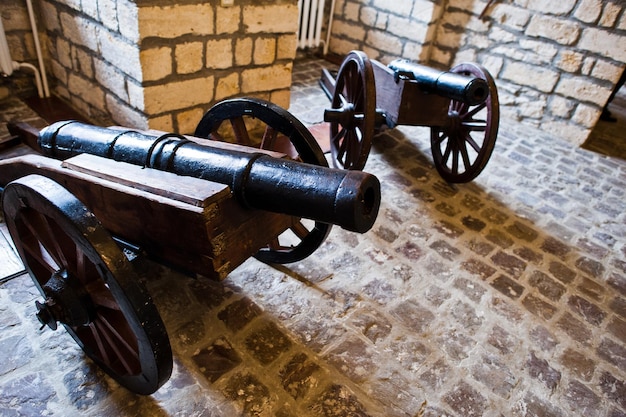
{"x":103,"y":196}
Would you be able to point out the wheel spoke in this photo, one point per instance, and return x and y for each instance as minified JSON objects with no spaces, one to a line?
{"x":101,"y":350}
{"x":299,"y":229}
{"x":455,"y":161}
{"x":473,"y":112}
{"x":40,"y":229}
{"x":475,"y":126}
{"x":446,"y":154}
{"x":269,"y":138}
{"x":115,"y":340}
{"x":464,"y":155}
{"x":240,"y":130}
{"x":101,"y":296}
{"x":441,"y":137}
{"x":472,"y":142}
{"x":41,"y":256}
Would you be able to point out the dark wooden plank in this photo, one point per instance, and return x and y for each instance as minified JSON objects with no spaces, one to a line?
{"x":194,"y":191}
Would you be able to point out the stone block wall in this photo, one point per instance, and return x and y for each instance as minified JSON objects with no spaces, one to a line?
{"x":386,"y":30}
{"x":161,"y":65}
{"x":22,"y":47}
{"x":555,"y":63}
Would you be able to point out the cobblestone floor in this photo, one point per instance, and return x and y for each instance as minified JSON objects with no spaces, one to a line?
{"x":502,"y":297}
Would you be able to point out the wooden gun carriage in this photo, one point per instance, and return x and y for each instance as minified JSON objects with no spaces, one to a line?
{"x":460,"y":106}
{"x":91,"y":198}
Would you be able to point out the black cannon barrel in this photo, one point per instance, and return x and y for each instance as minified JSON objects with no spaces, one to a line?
{"x":349,"y":199}
{"x":470,"y":90}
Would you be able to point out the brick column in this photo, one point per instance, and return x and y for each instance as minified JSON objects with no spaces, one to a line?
{"x":161,"y":66}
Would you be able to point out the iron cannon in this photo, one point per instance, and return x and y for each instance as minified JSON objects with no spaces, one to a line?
{"x":82,"y":203}
{"x":257,"y":180}
{"x":460,"y":106}
{"x":455,"y":86}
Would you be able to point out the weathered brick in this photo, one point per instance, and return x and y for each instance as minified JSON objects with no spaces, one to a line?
{"x":617,"y":327}
{"x":355,"y":359}
{"x":574,"y":328}
{"x":281,"y":18}
{"x":509,"y":263}
{"x":612,"y":352}
{"x":470,"y":288}
{"x":445,"y":250}
{"x":410,"y":250}
{"x":581,"y":89}
{"x":544,"y":80}
{"x":448,"y":229}
{"x":466,"y":400}
{"x":535,"y":406}
{"x":590,"y":266}
{"x":582,"y":399}
{"x":267,"y":343}
{"x":266,"y":78}
{"x":499,"y":238}
{"x":541,"y":370}
{"x":548,"y":287}
{"x":434,"y":376}
{"x":188,"y":57}
{"x":239,"y":313}
{"x":618,"y":305}
{"x":192,"y":19}
{"x":588,"y":11}
{"x":413,"y":315}
{"x":373,"y":325}
{"x":297,"y":375}
{"x":562,"y":272}
{"x":538,"y":307}
{"x":178,"y":95}
{"x":522,"y":231}
{"x":579,"y":363}
{"x":542,"y":337}
{"x":478,"y":267}
{"x":217,"y":359}
{"x":528,"y":255}
{"x":560,"y":30}
{"x":447,"y":209}
{"x":603,"y":42}
{"x":495,"y":374}
{"x":246,"y":389}
{"x":336,"y":397}
{"x":613,"y":388}
{"x":555,"y":247}
{"x":479,"y":247}
{"x":508,"y":286}
{"x":227,"y":20}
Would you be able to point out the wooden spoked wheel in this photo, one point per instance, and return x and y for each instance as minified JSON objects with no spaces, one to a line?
{"x":463,"y":146}
{"x":87,"y":283}
{"x":258,"y":123}
{"x":352,"y":115}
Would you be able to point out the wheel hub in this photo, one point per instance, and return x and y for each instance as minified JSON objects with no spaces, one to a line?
{"x":64,"y":303}
{"x":454,"y":125}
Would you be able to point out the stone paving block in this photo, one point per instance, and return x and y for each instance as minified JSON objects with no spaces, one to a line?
{"x":217,"y":359}
{"x":467,"y":299}
{"x":298,"y":375}
{"x":267,"y":343}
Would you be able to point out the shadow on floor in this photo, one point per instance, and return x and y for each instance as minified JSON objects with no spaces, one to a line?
{"x":609,"y":138}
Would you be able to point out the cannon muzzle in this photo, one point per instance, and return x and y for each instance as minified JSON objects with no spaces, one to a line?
{"x":349,"y":199}
{"x":470,"y":90}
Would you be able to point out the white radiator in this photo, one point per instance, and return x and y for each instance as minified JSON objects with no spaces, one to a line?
{"x":311,"y":17}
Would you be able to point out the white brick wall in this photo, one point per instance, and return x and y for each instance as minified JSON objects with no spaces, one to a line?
{"x":162,"y":65}
{"x":554,"y":62}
